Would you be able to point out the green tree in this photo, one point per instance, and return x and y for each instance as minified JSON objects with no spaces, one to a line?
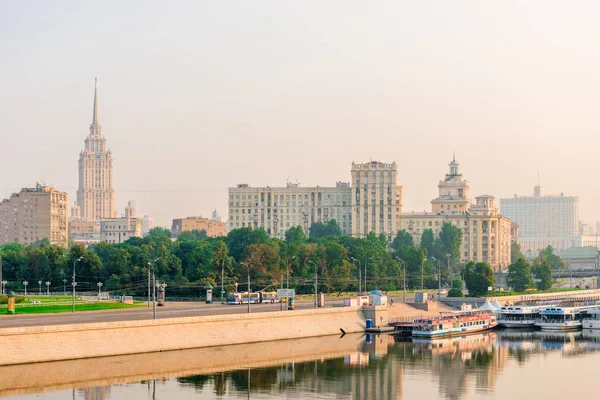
{"x":448,"y":242}
{"x":455,"y":293}
{"x":295,"y":235}
{"x":239,"y":239}
{"x":193,"y":235}
{"x":427,"y":240}
{"x":515,"y":251}
{"x":548,"y":255}
{"x":478,"y":278}
{"x":543,"y":272}
{"x":160,"y":231}
{"x":519,"y":275}
{"x":402,"y":239}
{"x":319,"y":230}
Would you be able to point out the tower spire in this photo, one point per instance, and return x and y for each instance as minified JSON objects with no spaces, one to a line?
{"x":95,"y":118}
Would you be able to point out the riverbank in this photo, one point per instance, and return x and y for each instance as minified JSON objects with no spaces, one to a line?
{"x":63,"y":375}
{"x":76,"y":341}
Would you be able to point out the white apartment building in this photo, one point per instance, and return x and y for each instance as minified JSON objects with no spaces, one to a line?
{"x":277,"y":209}
{"x":551,"y":220}
{"x":119,"y":230}
{"x":371,"y":203}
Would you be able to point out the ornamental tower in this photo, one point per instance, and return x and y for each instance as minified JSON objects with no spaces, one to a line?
{"x":453,"y":192}
{"x":95,"y":196}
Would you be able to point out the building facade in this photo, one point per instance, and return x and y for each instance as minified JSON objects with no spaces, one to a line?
{"x":551,"y":220}
{"x":372,"y":202}
{"x":277,"y":209}
{"x":212,"y":228}
{"x":34,"y":214}
{"x":119,"y":230}
{"x":487,"y":235}
{"x":376,"y":199}
{"x":96,"y":196}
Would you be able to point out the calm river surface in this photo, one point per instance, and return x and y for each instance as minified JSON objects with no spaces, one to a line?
{"x":495,"y":365}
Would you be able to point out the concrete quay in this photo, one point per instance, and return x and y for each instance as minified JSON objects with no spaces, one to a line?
{"x":18,"y":380}
{"x":33,"y":344}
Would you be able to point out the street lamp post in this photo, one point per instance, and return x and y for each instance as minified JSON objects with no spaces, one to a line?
{"x":74,"y":283}
{"x":222,"y":278}
{"x":40,"y":285}
{"x":448,"y":255}
{"x":288,"y":273}
{"x":99,"y":290}
{"x":151,"y":265}
{"x":359,"y":277}
{"x":4,"y":283}
{"x":25,"y":283}
{"x":248,"y":267}
{"x":65,"y":287}
{"x":48,"y":283}
{"x":403,"y":263}
{"x":422,"y":262}
{"x":316,"y":283}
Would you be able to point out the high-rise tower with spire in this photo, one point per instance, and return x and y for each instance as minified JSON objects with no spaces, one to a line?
{"x":96,"y":196}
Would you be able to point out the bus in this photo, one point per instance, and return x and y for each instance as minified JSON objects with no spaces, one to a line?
{"x":255,"y":298}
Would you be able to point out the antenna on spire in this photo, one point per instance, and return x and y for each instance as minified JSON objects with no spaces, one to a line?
{"x":95,"y":116}
{"x":538,"y":178}
{"x":453,"y":155}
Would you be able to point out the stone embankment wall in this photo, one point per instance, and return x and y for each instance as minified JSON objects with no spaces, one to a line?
{"x":67,"y":342}
{"x":18,"y":380}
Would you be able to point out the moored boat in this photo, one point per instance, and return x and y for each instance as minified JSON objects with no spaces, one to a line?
{"x":519,"y":316}
{"x":453,"y":324}
{"x":591,"y":320}
{"x":568,"y":318}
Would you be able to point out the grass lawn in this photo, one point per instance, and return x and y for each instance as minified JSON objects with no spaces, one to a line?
{"x":42,"y":309}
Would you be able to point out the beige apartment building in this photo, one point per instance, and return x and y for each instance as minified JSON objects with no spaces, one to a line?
{"x":34,"y":214}
{"x":119,"y":230}
{"x":487,"y":235}
{"x":277,"y":209}
{"x":376,"y":199}
{"x":95,"y":196}
{"x":212,"y":228}
{"x":372,"y":203}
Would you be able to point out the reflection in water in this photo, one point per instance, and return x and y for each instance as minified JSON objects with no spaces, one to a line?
{"x":381,"y":367}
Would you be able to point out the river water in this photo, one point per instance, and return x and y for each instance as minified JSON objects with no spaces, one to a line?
{"x":495,"y":365}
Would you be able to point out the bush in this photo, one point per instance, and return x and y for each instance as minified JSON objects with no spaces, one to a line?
{"x":455,"y":293}
{"x":4,"y":299}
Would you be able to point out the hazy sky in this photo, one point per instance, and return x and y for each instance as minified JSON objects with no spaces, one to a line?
{"x":198,"y":96}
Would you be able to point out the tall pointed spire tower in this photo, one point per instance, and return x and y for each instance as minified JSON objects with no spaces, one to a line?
{"x":96,"y":196}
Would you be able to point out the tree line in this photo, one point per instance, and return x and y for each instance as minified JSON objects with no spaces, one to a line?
{"x":192,"y":261}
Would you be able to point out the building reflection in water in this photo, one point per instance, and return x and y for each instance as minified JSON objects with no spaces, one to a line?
{"x":380,"y":368}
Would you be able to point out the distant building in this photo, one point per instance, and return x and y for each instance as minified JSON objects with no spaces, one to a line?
{"x":376,"y":199}
{"x":119,"y":230}
{"x":95,"y":196}
{"x":547,"y":220}
{"x":132,"y":209}
{"x":147,"y":224}
{"x":212,"y":228}
{"x":277,"y":209}
{"x":34,"y":214}
{"x":216,"y":217}
{"x":487,"y":235}
{"x":371,"y":203}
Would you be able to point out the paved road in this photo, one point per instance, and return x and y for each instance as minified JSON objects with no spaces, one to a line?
{"x":172,"y":310}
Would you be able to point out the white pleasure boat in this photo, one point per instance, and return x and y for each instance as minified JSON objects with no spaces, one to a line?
{"x":519,"y":316}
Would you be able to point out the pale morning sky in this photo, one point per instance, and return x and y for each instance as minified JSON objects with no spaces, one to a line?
{"x":198,"y":96}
